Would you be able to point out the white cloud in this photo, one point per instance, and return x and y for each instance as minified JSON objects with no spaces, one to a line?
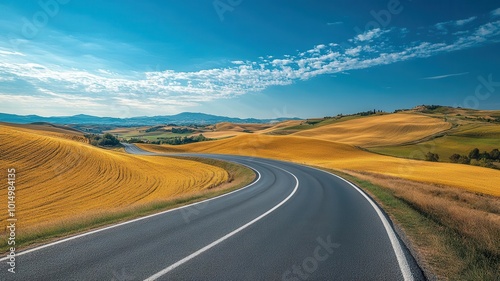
{"x":496,"y":12}
{"x":153,"y":92}
{"x":465,"y":21}
{"x":370,"y":35}
{"x":10,"y":53}
{"x":334,"y":23}
{"x":353,"y":51}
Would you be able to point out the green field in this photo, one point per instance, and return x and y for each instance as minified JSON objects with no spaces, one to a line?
{"x":460,"y":140}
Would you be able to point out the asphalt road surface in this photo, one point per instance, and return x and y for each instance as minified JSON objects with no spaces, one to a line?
{"x":292,"y":223}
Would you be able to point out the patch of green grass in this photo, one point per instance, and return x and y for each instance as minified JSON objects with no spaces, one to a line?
{"x":444,"y":146}
{"x":239,"y":176}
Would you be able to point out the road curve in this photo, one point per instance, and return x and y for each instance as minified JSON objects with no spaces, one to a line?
{"x":292,"y":223}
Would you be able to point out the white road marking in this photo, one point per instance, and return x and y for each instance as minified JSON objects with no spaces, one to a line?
{"x":218,"y":241}
{"x":396,"y":246}
{"x":134,"y":220}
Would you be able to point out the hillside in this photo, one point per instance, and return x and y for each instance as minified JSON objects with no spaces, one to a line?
{"x":333,"y":155}
{"x":379,"y":130}
{"x":471,"y":129}
{"x":78,"y":180}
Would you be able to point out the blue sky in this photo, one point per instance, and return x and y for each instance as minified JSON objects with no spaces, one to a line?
{"x":242,"y":58}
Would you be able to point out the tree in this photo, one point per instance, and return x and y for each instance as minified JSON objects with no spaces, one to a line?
{"x":495,"y":154}
{"x":433,"y":157}
{"x":108,"y":140}
{"x":455,"y":158}
{"x":463,"y":160}
{"x":485,"y":155}
{"x":474,"y":154}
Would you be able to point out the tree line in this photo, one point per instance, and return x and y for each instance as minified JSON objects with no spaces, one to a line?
{"x":475,"y":157}
{"x":173,"y":140}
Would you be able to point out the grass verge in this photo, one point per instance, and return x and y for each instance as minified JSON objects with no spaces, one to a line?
{"x":239,"y":176}
{"x":453,"y":233}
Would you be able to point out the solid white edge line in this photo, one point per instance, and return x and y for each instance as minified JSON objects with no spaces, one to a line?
{"x":396,"y":246}
{"x":135,"y":220}
{"x":218,"y":241}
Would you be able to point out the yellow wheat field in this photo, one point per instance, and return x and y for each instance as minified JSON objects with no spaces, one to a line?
{"x":281,"y":125}
{"x":221,"y":134}
{"x":391,"y":129}
{"x":343,"y":156}
{"x":58,"y":179}
{"x":224,"y":130}
{"x":225,"y":126}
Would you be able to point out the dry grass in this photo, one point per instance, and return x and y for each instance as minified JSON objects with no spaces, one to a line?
{"x":382,"y":130}
{"x":58,"y":179}
{"x":342,"y":156}
{"x":463,"y":244}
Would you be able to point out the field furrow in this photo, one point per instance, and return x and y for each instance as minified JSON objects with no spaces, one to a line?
{"x":58,"y":178}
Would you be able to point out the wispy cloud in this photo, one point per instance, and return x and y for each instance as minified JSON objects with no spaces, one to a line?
{"x":159,"y":91}
{"x":10,"y":53}
{"x":445,"y":76}
{"x":445,"y":26}
{"x":370,"y":35}
{"x":335,"y":23}
{"x":495,"y":12}
{"x":465,"y":21}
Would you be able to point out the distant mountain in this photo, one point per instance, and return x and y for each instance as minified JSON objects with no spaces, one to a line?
{"x":184,"y":118}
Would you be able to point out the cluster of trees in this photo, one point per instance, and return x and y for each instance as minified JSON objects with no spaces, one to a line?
{"x":433,"y":157}
{"x":369,"y":112}
{"x":153,"y":129}
{"x":477,"y":158}
{"x":105,"y":140}
{"x":181,"y":140}
{"x":181,"y":130}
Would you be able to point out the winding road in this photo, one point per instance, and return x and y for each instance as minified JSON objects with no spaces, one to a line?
{"x":292,"y":223}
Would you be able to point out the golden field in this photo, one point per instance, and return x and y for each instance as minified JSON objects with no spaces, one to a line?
{"x":58,"y":178}
{"x":334,"y":155}
{"x":225,"y":129}
{"x":382,"y":130}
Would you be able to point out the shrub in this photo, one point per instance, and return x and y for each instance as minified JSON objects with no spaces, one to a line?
{"x":433,"y":157}
{"x":455,"y":158}
{"x":495,"y":155}
{"x":474,"y":154}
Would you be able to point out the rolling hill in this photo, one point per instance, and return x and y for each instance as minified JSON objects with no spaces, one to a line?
{"x":60,"y":179}
{"x":390,"y":129}
{"x":328,"y":154}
